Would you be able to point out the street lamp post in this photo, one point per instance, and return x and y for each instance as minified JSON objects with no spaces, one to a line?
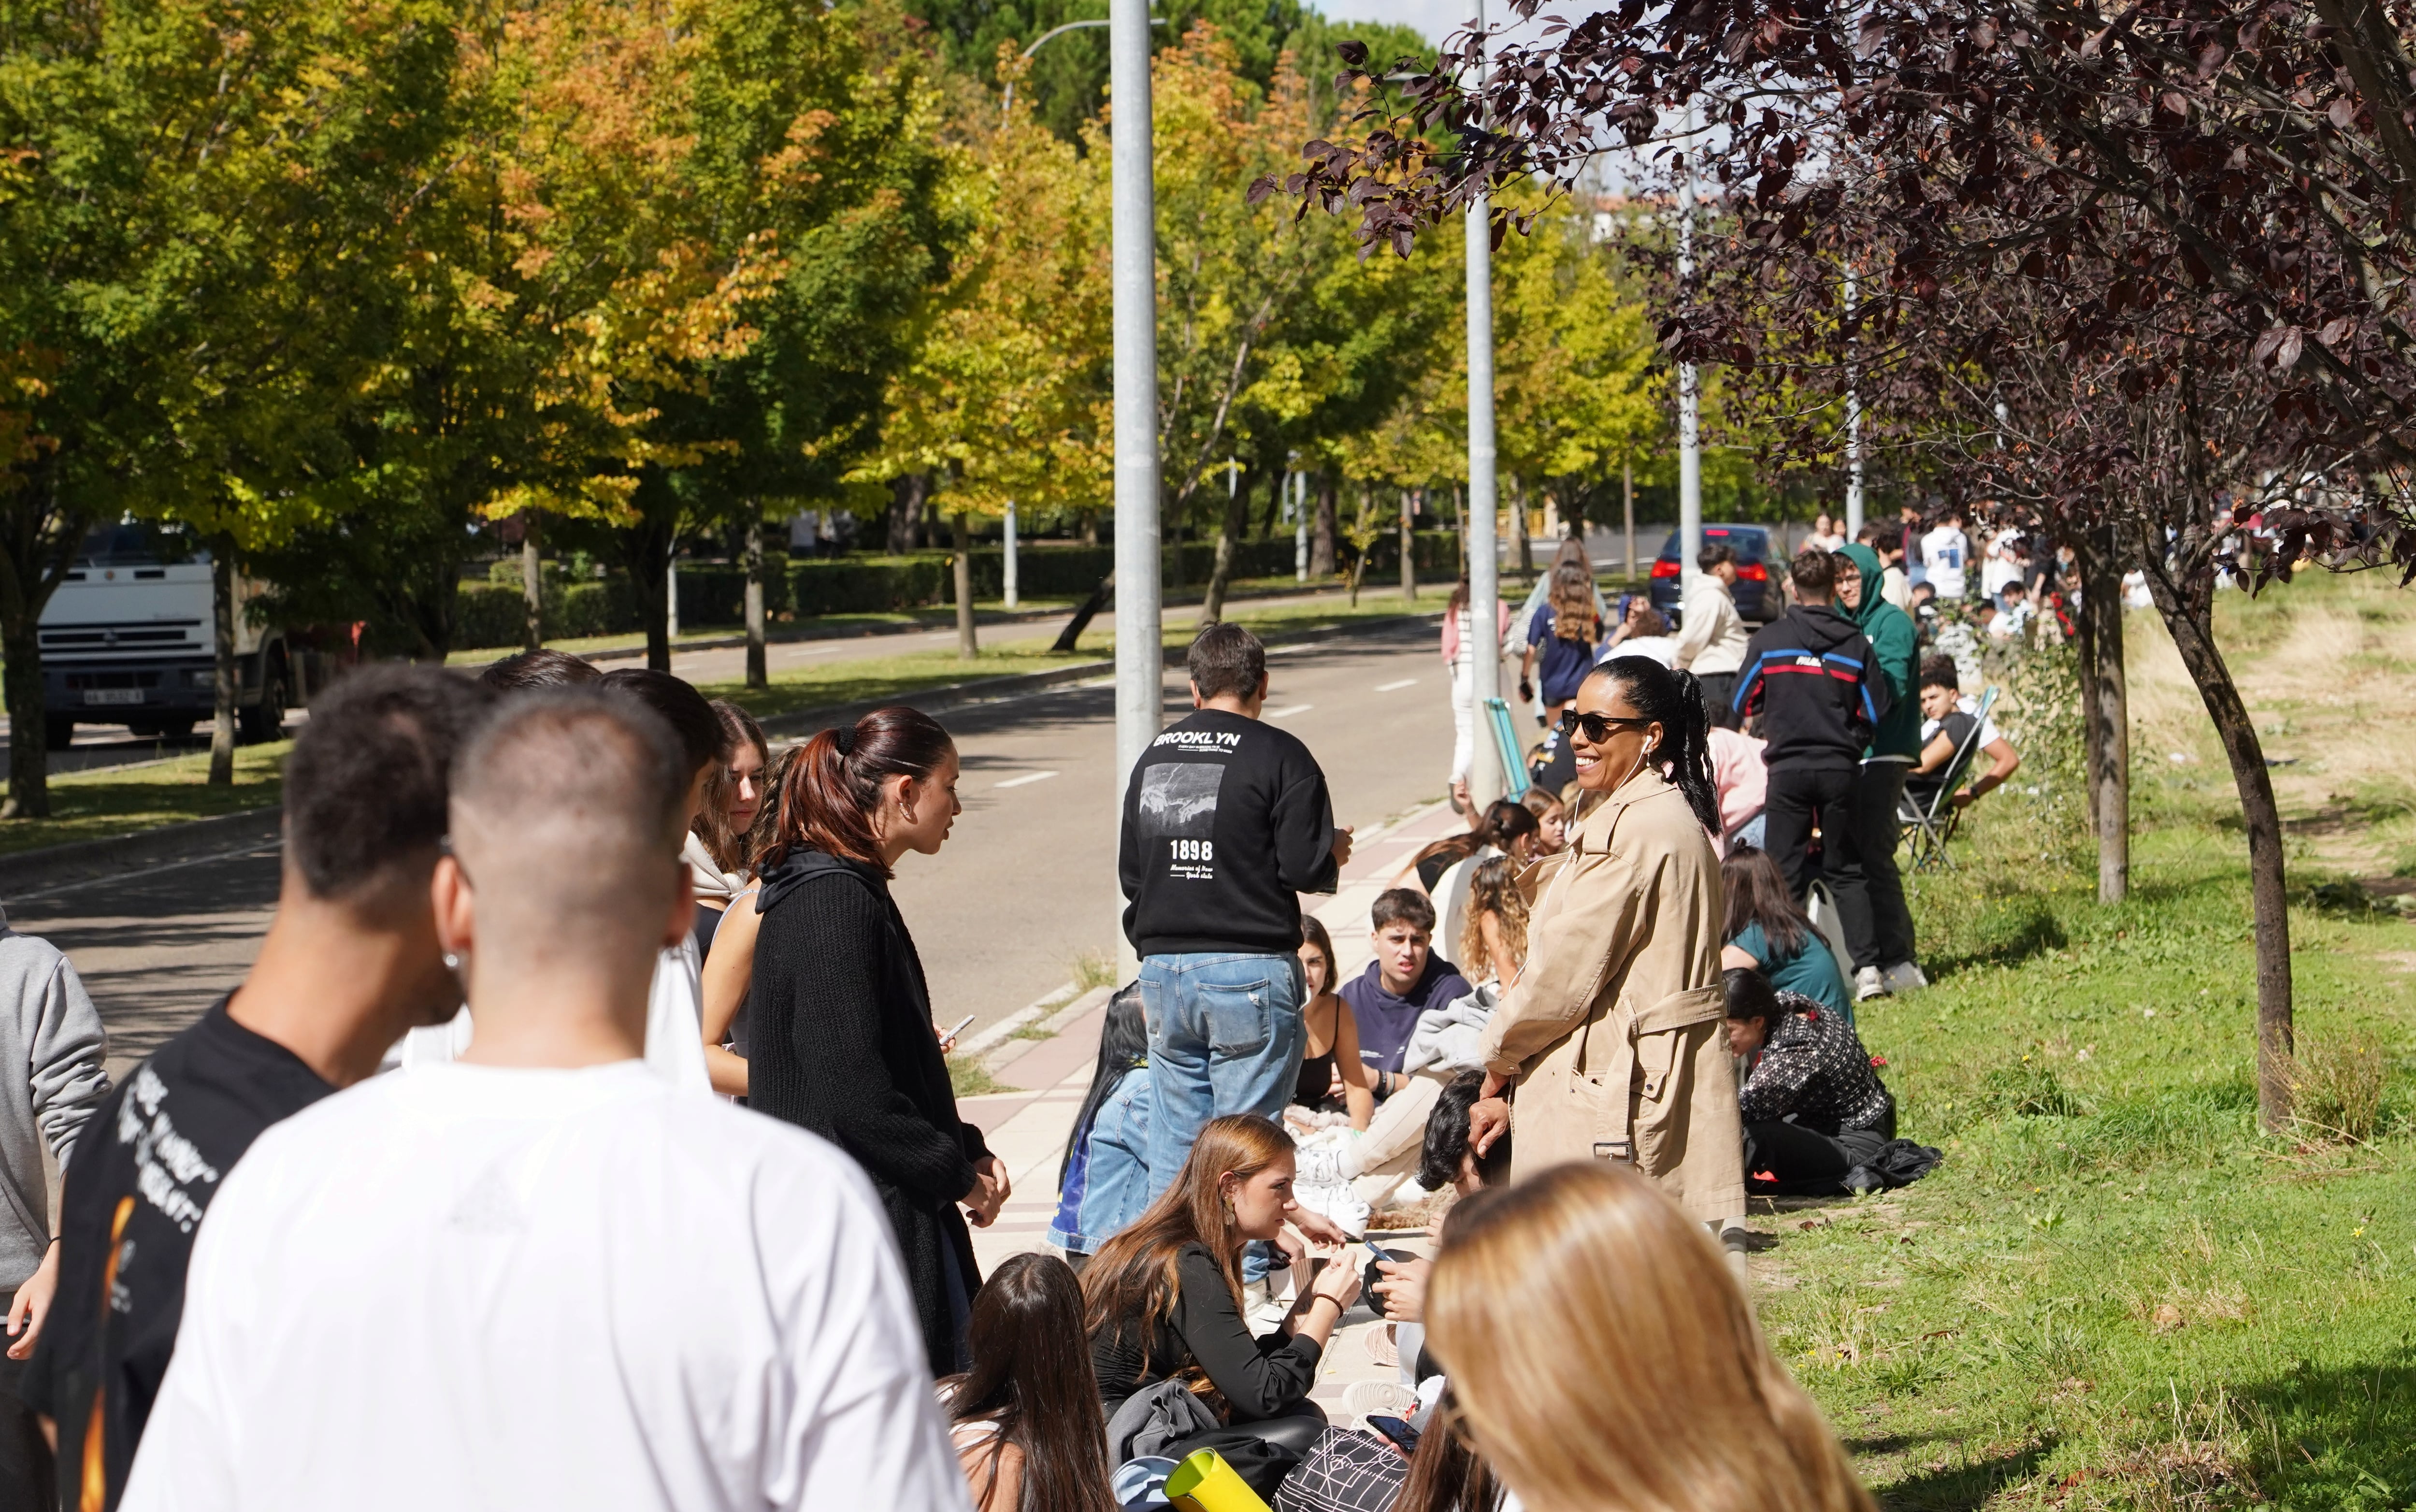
{"x":1690,"y":446}
{"x":1139,"y":662}
{"x":1486,"y":779}
{"x":1007,"y":107}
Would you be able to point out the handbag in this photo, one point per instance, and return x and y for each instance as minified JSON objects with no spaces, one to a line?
{"x":1346,"y":1471}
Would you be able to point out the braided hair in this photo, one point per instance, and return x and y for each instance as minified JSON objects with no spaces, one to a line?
{"x":1674,"y":701}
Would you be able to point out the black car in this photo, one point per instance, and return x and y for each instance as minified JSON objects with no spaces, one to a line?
{"x":1757,"y":597}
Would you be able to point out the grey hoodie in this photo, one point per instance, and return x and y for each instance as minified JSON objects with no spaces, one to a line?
{"x":50,"y":1032}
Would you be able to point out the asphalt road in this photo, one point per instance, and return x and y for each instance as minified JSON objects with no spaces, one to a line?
{"x":1026,"y":882}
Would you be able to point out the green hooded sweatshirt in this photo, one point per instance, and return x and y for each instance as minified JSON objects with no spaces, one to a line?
{"x":1890,"y":631}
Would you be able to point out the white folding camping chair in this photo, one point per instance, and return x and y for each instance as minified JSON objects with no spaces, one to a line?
{"x":1928,"y":827}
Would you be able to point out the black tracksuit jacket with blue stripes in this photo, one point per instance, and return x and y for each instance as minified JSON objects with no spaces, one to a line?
{"x":1811,"y":676}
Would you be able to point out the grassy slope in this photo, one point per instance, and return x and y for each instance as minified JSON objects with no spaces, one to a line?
{"x":2117,"y":1293}
{"x":90,"y":806}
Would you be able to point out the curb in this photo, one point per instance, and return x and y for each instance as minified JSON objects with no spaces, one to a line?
{"x":32,"y":873}
{"x":996,"y":1046}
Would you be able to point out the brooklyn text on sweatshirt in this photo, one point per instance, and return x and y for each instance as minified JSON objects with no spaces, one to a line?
{"x":1226,"y":818}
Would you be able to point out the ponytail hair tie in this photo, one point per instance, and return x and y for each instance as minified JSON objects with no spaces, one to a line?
{"x":844,"y":739}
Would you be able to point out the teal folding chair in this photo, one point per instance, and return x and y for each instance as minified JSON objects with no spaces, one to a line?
{"x":1928,"y":826}
{"x":1505,"y":740}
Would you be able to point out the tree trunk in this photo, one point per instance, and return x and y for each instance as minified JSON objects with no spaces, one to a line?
{"x":222,"y":698}
{"x":1408,"y":552}
{"x":1519,"y":530}
{"x":756,"y":674}
{"x":1229,"y":542}
{"x":1174,"y":553}
{"x":966,"y":647}
{"x":646,"y":552}
{"x":1627,"y":513}
{"x":21,"y":650}
{"x":1321,"y":537}
{"x":532,"y":585}
{"x":906,"y":496}
{"x":2106,"y":705}
{"x":2193,"y":632}
{"x":1090,"y":527}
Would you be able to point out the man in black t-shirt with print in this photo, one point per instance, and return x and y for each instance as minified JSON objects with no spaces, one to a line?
{"x":349,"y":962}
{"x":1225,"y":820}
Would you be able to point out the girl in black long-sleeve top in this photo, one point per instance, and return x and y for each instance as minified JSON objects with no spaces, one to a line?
{"x":841,"y":1041}
{"x":1164,"y":1297}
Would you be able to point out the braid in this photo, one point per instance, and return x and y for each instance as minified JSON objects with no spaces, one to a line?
{"x":1674,"y":701}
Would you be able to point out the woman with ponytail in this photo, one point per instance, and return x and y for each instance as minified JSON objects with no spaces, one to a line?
{"x":840,"y":1038}
{"x":1614,"y":1040}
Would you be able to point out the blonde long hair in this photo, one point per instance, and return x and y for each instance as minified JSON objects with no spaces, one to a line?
{"x":1492,"y":890}
{"x":1131,"y":1281}
{"x":1571,"y":598}
{"x":1605,"y":1358}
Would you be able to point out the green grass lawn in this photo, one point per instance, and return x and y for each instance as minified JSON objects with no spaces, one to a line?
{"x":91,"y":806}
{"x":2115,"y":1291}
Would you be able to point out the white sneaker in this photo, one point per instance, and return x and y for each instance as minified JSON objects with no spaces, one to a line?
{"x":1869,"y":983}
{"x":1379,"y":1398}
{"x":1338,"y":1201}
{"x":1317,"y":1166}
{"x":1903,"y":976}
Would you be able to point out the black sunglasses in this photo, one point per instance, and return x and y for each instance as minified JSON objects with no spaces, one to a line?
{"x":1597,"y":727}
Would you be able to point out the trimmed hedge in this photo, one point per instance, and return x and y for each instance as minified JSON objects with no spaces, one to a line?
{"x":490,"y":615}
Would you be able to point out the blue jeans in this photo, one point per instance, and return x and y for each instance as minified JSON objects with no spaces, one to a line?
{"x":1225,"y":1036}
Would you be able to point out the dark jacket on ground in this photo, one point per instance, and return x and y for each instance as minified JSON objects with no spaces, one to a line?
{"x":842,"y":1045}
{"x":1259,"y":1378}
{"x":1811,"y":676}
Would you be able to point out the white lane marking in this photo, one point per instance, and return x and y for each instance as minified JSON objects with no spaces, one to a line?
{"x":1394,"y":688}
{"x":1289,"y":710}
{"x":1028,"y":777}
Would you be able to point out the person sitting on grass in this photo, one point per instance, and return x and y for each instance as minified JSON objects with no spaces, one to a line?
{"x":1024,"y":1420}
{"x":1162,"y":1301}
{"x":1768,"y":932}
{"x":1445,"y":1160}
{"x":1813,"y":1108}
{"x":1103,"y":1182}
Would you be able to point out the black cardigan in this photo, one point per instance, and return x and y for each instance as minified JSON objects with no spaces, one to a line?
{"x":842,"y":1045}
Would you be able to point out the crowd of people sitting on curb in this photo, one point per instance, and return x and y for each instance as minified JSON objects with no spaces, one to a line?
{"x":585,"y":1125}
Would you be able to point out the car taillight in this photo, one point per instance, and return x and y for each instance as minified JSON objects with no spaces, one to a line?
{"x":1665,"y":568}
{"x":1752,"y":572}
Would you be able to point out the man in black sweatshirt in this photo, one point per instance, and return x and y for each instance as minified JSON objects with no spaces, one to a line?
{"x":1225,"y":820}
{"x":1811,"y":677}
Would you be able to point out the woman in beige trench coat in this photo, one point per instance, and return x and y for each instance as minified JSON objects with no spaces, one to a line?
{"x":1614,"y":1038}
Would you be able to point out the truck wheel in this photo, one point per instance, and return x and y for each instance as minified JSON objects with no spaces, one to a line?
{"x":58,"y":731}
{"x":266,"y":720}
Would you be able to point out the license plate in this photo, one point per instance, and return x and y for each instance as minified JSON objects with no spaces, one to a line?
{"x":112,"y":695}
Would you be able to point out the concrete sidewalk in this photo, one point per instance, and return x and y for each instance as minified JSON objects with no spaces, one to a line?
{"x":1028,"y":1128}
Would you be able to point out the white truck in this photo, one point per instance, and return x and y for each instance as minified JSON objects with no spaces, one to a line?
{"x":130,"y":638}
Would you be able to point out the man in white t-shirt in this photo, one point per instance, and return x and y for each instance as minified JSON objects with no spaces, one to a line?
{"x":1944,"y":549}
{"x":542,"y":1275}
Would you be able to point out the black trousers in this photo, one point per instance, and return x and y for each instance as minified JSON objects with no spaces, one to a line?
{"x":28,"y":1476}
{"x":1861,"y":864}
{"x":1797,"y":800}
{"x":1720,"y":691}
{"x":1807,"y":1161}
